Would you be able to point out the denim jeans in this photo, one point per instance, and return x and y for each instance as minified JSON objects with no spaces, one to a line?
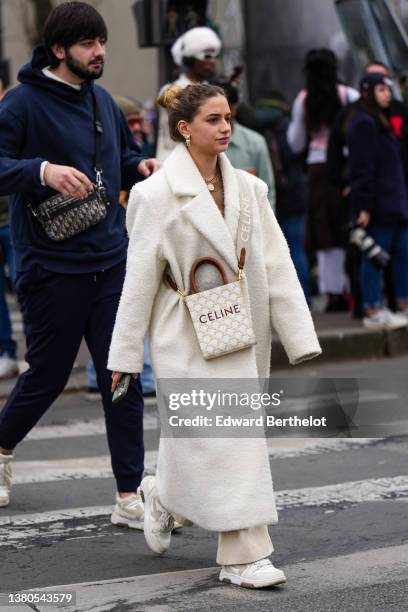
{"x":394,"y":239}
{"x":7,"y":344}
{"x":146,"y":376}
{"x":293,"y":228}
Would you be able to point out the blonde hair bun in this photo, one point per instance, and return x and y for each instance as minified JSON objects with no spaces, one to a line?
{"x":167,"y":97}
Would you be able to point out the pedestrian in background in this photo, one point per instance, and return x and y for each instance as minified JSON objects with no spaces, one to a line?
{"x":190,"y":209}
{"x":133,"y":112}
{"x":69,"y":289}
{"x":8,"y":347}
{"x":379,"y":197}
{"x":248,"y":149}
{"x":136,"y":120}
{"x":337,"y":168}
{"x":195,"y":52}
{"x":273,"y":116}
{"x":314,"y":111}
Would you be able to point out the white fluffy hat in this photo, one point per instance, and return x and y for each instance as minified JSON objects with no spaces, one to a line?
{"x":194,"y":41}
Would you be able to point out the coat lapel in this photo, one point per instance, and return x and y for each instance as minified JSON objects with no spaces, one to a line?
{"x":200,"y":209}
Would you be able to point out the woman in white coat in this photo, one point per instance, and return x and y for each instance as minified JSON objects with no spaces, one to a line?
{"x":190,"y":209}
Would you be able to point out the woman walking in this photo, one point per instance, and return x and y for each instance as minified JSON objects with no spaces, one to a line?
{"x":191,"y":209}
{"x":379,"y":197}
{"x":313,"y":114}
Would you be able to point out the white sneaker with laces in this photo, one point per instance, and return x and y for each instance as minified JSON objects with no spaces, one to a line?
{"x":8,"y":366}
{"x":5,"y":479}
{"x":158,"y":523}
{"x":253,"y":575}
{"x":385,"y":319}
{"x":128,"y":512}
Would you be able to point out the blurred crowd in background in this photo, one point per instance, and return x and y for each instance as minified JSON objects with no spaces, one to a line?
{"x":335,"y":160}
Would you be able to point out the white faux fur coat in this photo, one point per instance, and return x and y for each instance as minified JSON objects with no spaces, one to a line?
{"x":219,"y":484}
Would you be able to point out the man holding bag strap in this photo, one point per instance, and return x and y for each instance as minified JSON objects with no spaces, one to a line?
{"x":69,"y":289}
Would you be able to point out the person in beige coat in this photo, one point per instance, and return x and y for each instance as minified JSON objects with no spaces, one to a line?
{"x":189,"y":209}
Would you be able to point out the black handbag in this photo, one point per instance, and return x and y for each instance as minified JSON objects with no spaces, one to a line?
{"x":61,"y":216}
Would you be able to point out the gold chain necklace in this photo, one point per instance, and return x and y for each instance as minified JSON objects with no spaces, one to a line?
{"x":210,"y":182}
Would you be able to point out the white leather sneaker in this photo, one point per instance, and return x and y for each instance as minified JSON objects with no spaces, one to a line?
{"x":8,"y":366}
{"x":385,"y":319}
{"x":128,"y":512}
{"x":253,"y":575}
{"x":158,"y":523}
{"x":5,"y":479}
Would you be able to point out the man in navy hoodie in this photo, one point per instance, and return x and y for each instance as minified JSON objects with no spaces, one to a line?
{"x":69,"y":290}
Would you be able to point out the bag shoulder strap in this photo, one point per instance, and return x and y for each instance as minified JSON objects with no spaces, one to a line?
{"x":98,"y":130}
{"x":244,"y":231}
{"x":245,"y":219}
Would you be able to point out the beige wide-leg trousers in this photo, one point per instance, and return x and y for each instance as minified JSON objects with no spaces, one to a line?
{"x":243,"y":546}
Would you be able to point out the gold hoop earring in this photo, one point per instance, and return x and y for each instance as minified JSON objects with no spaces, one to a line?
{"x":188,"y":141}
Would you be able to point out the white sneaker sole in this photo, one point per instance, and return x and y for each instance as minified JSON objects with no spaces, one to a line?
{"x":121,"y":521}
{"x":383,"y":326}
{"x":153,"y":544}
{"x":251,"y":584}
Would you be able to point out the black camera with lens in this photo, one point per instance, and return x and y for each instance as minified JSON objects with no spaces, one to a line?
{"x":368,"y":247}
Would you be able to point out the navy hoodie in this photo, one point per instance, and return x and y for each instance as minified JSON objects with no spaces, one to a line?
{"x":377,"y":175}
{"x":45,"y":120}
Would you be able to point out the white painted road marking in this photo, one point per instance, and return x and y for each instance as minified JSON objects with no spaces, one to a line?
{"x":281,"y":448}
{"x":18,"y":529}
{"x":26,"y":472}
{"x":29,"y":472}
{"x":77,"y":429}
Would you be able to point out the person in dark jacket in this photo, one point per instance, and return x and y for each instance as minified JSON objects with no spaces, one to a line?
{"x":338,"y":175}
{"x":336,"y":152}
{"x":70,"y":289}
{"x":313,"y":113}
{"x":379,"y":196}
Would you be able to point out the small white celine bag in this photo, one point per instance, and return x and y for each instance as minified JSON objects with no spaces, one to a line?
{"x":221,"y":316}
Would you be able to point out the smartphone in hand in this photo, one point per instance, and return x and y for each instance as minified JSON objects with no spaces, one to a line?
{"x":121,"y":388}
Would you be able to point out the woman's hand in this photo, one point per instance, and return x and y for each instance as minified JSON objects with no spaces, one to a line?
{"x":363,"y":218}
{"x":116,"y":376}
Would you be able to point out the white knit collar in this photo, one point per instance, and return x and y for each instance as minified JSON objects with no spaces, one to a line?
{"x":48,"y":73}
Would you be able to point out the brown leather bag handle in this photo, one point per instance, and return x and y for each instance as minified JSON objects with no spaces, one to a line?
{"x":199,"y":262}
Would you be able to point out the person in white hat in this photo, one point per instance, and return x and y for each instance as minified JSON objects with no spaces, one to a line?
{"x":195,"y":52}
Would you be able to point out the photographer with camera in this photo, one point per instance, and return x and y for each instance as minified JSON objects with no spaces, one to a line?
{"x":379,"y":201}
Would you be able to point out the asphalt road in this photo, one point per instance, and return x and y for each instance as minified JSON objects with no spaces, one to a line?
{"x":341,"y":537}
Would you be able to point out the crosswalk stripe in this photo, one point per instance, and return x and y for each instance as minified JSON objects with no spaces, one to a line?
{"x":359,"y":491}
{"x":355,"y":492}
{"x":282,"y":448}
{"x":29,"y":472}
{"x":78,"y":428}
{"x":321,"y":400}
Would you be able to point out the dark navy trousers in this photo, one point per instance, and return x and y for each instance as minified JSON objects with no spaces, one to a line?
{"x":58,"y":311}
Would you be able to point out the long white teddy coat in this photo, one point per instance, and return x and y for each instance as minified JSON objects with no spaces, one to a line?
{"x":219,"y":484}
